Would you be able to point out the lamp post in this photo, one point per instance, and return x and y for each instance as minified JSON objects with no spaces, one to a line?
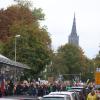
{"x":16,"y":36}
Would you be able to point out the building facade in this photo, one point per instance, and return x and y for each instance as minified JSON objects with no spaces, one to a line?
{"x":73,"y":37}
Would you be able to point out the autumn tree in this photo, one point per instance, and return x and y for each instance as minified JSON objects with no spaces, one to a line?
{"x":34,"y":45}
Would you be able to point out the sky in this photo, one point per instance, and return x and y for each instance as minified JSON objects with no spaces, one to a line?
{"x":59,"y":18}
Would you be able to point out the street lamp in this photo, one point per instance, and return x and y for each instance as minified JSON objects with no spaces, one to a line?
{"x":16,"y":36}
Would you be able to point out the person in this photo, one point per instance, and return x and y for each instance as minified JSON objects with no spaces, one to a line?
{"x":3,"y":87}
{"x":92,"y":95}
{"x":0,"y":92}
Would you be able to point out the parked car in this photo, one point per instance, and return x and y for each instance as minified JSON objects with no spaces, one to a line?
{"x":97,"y":90}
{"x":82,"y":90}
{"x":77,"y":87}
{"x":72,"y":95}
{"x":79,"y":92}
{"x":56,"y":97}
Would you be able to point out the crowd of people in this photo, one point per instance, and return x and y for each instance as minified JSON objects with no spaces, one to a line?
{"x":30,"y":88}
{"x":8,"y":88}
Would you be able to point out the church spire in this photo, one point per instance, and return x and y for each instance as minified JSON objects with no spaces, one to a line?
{"x":73,"y":37}
{"x":73,"y":32}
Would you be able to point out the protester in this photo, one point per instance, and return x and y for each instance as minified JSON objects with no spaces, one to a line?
{"x":92,"y":95}
{"x":0,"y":92}
{"x":3,"y":87}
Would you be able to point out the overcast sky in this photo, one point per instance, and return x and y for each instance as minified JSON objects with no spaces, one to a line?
{"x":59,"y":18}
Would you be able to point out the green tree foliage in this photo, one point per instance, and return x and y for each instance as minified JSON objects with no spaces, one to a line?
{"x":58,"y":62}
{"x":69,"y":60}
{"x":37,"y":13}
{"x":34,"y":45}
{"x":88,"y":69}
{"x":24,"y":3}
{"x":97,"y":60}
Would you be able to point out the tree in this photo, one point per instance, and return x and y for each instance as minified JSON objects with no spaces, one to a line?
{"x":97,"y":60}
{"x":88,"y":70}
{"x":69,"y":60}
{"x":34,"y":45}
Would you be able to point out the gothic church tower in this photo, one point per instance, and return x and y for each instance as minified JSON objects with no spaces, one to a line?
{"x":73,"y":37}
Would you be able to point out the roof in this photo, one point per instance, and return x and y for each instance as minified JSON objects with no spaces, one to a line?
{"x":77,"y":87}
{"x":5,"y":60}
{"x":73,"y":90}
{"x":67,"y":93}
{"x":1,"y":56}
{"x":61,"y":93}
{"x":65,"y":97}
{"x":54,"y":96}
